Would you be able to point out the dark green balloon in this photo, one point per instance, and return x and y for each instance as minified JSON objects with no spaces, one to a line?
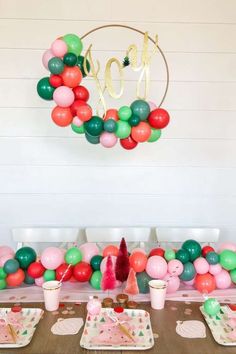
{"x":70,"y":59}
{"x":3,"y":274}
{"x":194,"y":249}
{"x":92,"y":139}
{"x":143,"y":280}
{"x":56,"y":66}
{"x":78,"y":130}
{"x":25,"y":256}
{"x":110,"y":125}
{"x":212,"y":258}
{"x":3,"y":284}
{"x":96,"y":279}
{"x":11,"y":266}
{"x":141,"y":109}
{"x":80,"y":63}
{"x":28,"y":280}
{"x":44,"y":89}
{"x":96,"y":262}
{"x":134,"y":120}
{"x":94,"y":126}
{"x":188,"y":272}
{"x":182,"y":255}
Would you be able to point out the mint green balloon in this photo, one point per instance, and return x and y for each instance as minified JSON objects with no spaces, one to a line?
{"x":78,"y":130}
{"x":74,"y":43}
{"x":3,"y":284}
{"x":123,"y":129}
{"x":125,"y":113}
{"x":73,"y":256}
{"x":211,"y":307}
{"x":3,"y":274}
{"x":155,"y":135}
{"x":49,"y":275}
{"x":233,"y":275}
{"x":169,"y":254}
{"x":95,"y":280}
{"x":228,"y":259}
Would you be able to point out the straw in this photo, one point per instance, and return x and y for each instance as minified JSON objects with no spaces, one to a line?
{"x":64,"y":274}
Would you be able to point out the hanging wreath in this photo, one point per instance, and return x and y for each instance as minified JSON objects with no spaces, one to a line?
{"x":138,"y":122}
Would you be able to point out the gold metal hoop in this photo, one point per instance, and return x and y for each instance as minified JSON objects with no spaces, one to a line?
{"x":150,"y":38}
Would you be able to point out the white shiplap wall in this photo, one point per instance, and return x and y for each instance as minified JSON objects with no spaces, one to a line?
{"x":50,"y":176}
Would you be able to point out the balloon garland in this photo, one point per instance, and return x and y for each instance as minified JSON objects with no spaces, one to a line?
{"x":141,"y":121}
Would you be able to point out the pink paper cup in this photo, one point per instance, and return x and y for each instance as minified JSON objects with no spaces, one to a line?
{"x":51,"y":292}
{"x":157,"y":293}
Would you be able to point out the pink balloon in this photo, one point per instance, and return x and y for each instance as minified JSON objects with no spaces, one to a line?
{"x":63,"y":96}
{"x":201,"y":265}
{"x":78,"y":122}
{"x":215,"y":269}
{"x":39,"y":281}
{"x":138,"y":250}
{"x":104,"y":262}
{"x":152,"y":105}
{"x":52,"y":257}
{"x":189,"y":282}
{"x":89,"y":250}
{"x":5,"y":258}
{"x":156,"y":267}
{"x":47,"y":55}
{"x":6,"y":250}
{"x":108,"y":140}
{"x":59,"y":48}
{"x":175,"y":267}
{"x":223,"y":280}
{"x":173,"y":283}
{"x":118,"y":284}
{"x":227,"y":246}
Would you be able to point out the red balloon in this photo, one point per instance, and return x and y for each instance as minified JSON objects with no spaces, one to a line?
{"x":141,"y":132}
{"x":207,"y":249}
{"x":55,"y":80}
{"x":36,"y":270}
{"x":205,"y":283}
{"x":84,"y":113}
{"x":157,"y":252}
{"x":138,"y":261}
{"x":62,"y":116}
{"x":81,"y":93}
{"x":159,"y":118}
{"x":75,"y":105}
{"x":82,"y":272}
{"x":63,"y":270}
{"x":128,"y":143}
{"x":15,"y":279}
{"x":110,"y":251}
{"x":71,"y":76}
{"x":111,"y":114}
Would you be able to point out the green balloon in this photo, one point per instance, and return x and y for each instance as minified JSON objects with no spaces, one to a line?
{"x":155,"y":135}
{"x":134,"y":120}
{"x":44,"y":89}
{"x":228,"y":259}
{"x":49,"y":274}
{"x":143,"y":280}
{"x":141,"y":109}
{"x":11,"y":266}
{"x":73,"y":256}
{"x":3,"y":274}
{"x":169,"y":254}
{"x":94,"y":126}
{"x":70,"y":59}
{"x":96,"y":279}
{"x":124,"y":113}
{"x":28,"y":280}
{"x":211,"y":307}
{"x":25,"y":256}
{"x":188,"y":272}
{"x":96,"y":262}
{"x":182,"y":255}
{"x":233,"y":275}
{"x":3,"y":284}
{"x":212,"y":258}
{"x":56,"y":65}
{"x":194,"y":249}
{"x":74,"y":44}
{"x":110,"y":125}
{"x":78,"y":130}
{"x":92,"y":139}
{"x":123,"y":129}
{"x":80,"y":63}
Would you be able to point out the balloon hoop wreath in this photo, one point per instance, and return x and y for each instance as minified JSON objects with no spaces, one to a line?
{"x":141,"y":121}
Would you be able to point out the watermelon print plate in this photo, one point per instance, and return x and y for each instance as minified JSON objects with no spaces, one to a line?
{"x":25,"y":331}
{"x":102,"y":333}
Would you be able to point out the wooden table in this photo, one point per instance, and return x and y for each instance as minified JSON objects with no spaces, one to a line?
{"x":163,"y":324}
